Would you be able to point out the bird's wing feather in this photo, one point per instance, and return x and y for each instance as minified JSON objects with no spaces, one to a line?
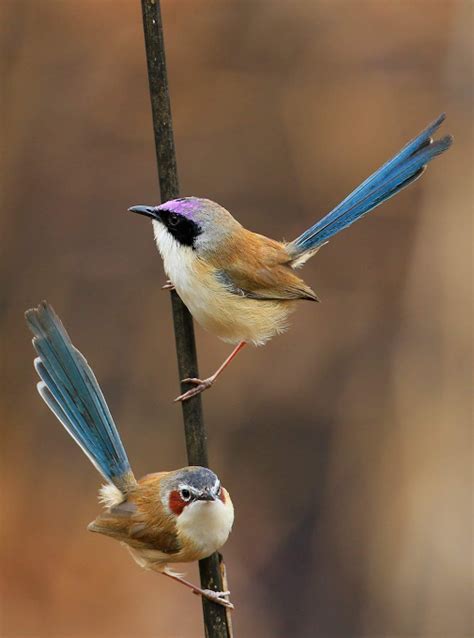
{"x":257,"y":267}
{"x":137,"y":535}
{"x":127,"y":522}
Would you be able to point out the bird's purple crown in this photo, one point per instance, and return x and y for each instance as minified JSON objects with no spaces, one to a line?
{"x":185,"y":206}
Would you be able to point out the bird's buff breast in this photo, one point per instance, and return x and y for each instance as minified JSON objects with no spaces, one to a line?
{"x":204,"y":527}
{"x":230,"y":317}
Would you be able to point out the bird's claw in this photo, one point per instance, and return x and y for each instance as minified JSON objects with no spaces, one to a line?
{"x":169,"y":285}
{"x":201,"y":385}
{"x":215,"y":596}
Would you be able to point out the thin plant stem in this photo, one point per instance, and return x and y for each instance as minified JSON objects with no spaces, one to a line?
{"x":217,"y":620}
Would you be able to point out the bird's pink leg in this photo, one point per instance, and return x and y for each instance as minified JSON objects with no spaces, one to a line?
{"x":210,"y":594}
{"x":204,"y":384}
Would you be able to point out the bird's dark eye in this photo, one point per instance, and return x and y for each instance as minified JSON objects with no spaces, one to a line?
{"x":173,"y":219}
{"x":185,"y":495}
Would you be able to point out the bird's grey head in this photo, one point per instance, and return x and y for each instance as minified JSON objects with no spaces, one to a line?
{"x":190,"y":485}
{"x":192,"y":221}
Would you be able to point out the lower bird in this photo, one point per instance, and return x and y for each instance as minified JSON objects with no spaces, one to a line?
{"x":242,"y":286}
{"x":164,"y":518}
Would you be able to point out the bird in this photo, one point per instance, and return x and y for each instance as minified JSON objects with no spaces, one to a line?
{"x":167,"y":517}
{"x":242,"y":286}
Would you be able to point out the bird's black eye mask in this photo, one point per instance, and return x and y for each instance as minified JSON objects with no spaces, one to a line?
{"x":183,"y":229}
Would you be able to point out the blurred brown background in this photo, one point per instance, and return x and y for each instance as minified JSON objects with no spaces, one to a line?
{"x":346,"y":443}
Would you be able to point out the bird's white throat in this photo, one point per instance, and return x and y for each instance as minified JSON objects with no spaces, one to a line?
{"x":178,"y":260}
{"x":181,"y":265}
{"x":207,"y":524}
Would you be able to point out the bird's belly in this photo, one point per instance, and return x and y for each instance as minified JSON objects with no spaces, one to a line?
{"x":148,"y":558}
{"x":234,"y":318}
{"x":231,"y":317}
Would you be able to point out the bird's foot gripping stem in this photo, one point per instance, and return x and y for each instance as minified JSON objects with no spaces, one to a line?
{"x":199,"y":386}
{"x":169,"y":285}
{"x":204,"y":384}
{"x":215,"y":596}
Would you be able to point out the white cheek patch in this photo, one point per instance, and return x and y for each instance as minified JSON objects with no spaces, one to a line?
{"x":167,"y":244}
{"x":178,"y":260}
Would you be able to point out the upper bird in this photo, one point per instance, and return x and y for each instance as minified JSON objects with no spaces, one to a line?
{"x":242,"y":286}
{"x":168,"y":517}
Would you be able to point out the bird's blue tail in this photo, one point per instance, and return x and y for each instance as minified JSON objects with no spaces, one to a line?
{"x":69,"y":388}
{"x":387,"y":181}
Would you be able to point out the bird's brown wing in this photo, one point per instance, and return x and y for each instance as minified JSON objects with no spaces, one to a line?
{"x":115,"y":522}
{"x":257,"y":267}
{"x":139,"y":525}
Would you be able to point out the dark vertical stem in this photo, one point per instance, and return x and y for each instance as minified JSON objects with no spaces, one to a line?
{"x":216,"y":617}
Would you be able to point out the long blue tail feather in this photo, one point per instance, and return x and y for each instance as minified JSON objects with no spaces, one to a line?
{"x":400,"y":171}
{"x":69,"y":388}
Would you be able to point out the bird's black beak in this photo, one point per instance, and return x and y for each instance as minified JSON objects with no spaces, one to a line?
{"x":148,"y":211}
{"x":206,"y":496}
